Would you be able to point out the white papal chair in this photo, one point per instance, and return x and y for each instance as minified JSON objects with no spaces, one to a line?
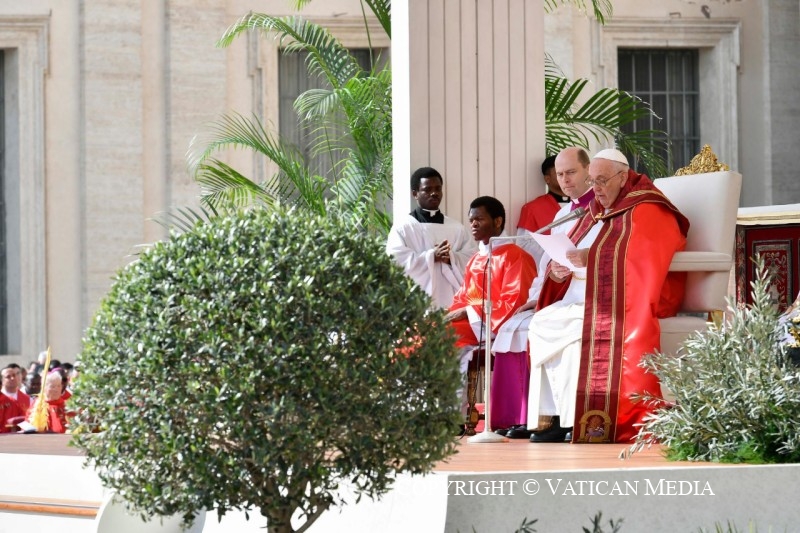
{"x":710,"y":202}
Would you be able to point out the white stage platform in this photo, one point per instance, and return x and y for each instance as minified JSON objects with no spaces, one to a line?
{"x":488,"y":487}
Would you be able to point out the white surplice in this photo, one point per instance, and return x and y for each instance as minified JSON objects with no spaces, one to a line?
{"x":411,"y":243}
{"x":513,"y":335}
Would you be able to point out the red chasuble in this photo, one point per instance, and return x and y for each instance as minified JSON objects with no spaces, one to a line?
{"x":513,"y":271}
{"x":12,"y":409}
{"x":628,"y":288}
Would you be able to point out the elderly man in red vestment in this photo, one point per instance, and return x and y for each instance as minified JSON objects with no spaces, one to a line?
{"x":512,"y":273}
{"x":587,"y":383}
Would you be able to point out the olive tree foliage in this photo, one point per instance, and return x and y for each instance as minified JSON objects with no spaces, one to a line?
{"x":737,"y":390}
{"x":259,"y":360}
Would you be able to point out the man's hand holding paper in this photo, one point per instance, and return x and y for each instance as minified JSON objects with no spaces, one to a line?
{"x":565,"y":258}
{"x":557,"y":246}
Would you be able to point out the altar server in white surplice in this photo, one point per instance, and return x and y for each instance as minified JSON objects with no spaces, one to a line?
{"x":432,"y":249}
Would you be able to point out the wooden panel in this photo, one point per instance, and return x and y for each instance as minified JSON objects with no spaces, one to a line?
{"x":75,"y":508}
{"x":419,"y":104}
{"x":436,"y":87}
{"x":452,"y":131}
{"x":500,"y":50}
{"x":534,"y":100}
{"x":519,"y":455}
{"x":486,"y":98}
{"x":518,"y":114}
{"x":474,"y":115}
{"x":469,"y":108}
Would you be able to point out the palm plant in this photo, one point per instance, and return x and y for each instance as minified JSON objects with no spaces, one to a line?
{"x":601,"y":117}
{"x":351,"y":123}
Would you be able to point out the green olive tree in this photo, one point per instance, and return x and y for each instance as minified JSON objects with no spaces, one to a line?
{"x":259,"y":360}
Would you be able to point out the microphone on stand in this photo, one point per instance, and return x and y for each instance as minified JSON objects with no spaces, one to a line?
{"x":576,"y":213}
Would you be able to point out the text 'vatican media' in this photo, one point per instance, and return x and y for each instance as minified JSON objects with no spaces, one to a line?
{"x":562,"y":487}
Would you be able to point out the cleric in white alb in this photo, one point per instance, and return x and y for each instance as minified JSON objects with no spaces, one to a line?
{"x":432,"y":249}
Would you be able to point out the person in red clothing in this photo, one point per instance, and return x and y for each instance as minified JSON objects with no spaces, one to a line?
{"x":512,"y":273}
{"x":585,"y":356}
{"x":56,"y":395}
{"x":13,"y":402}
{"x":540,"y":211}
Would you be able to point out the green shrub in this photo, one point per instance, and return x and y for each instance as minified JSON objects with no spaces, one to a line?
{"x":259,"y":360}
{"x":737,"y":391}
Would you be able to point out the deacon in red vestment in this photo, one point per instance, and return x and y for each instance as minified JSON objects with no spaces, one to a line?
{"x":513,"y":271}
{"x":628,"y":288}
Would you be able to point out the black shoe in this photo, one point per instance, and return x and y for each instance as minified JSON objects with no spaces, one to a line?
{"x":519,"y":432}
{"x":554,"y":434}
{"x":554,"y":422}
{"x":503,"y":431}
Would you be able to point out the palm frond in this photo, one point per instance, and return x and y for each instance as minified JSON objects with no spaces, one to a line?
{"x":316,"y":103}
{"x":560,"y":136}
{"x":234,"y":130}
{"x":183,"y":219}
{"x":551,"y":69}
{"x":383,"y":12}
{"x":610,"y":108}
{"x":326,"y":55}
{"x":600,"y":118}
{"x":648,"y":147}
{"x":382,"y":9}
{"x":560,"y":98}
{"x":361,"y":193}
{"x":223,"y":187}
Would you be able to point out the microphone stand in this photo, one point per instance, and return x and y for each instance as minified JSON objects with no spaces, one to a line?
{"x":487,"y":435}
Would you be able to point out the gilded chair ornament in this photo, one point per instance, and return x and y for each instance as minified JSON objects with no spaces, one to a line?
{"x":705,"y":161}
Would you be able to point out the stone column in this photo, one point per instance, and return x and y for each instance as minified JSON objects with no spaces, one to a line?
{"x":468,"y":81}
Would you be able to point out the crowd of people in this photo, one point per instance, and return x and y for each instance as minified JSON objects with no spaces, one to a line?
{"x":35,"y":401}
{"x":567,"y":337}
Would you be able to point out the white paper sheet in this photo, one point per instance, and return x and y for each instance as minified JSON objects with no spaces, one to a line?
{"x":556,"y":246}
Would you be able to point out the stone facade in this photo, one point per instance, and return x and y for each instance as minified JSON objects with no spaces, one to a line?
{"x":103,"y":98}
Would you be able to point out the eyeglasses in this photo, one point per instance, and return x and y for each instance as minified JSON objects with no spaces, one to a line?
{"x":601,"y":181}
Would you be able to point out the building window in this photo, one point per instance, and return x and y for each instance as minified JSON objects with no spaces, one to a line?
{"x":668,"y":80}
{"x":293,"y":80}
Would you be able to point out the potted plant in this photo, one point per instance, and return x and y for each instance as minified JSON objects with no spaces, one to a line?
{"x":737,"y":390}
{"x":259,"y":360}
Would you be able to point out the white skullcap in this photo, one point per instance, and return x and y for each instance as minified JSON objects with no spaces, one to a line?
{"x":612,"y":154}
